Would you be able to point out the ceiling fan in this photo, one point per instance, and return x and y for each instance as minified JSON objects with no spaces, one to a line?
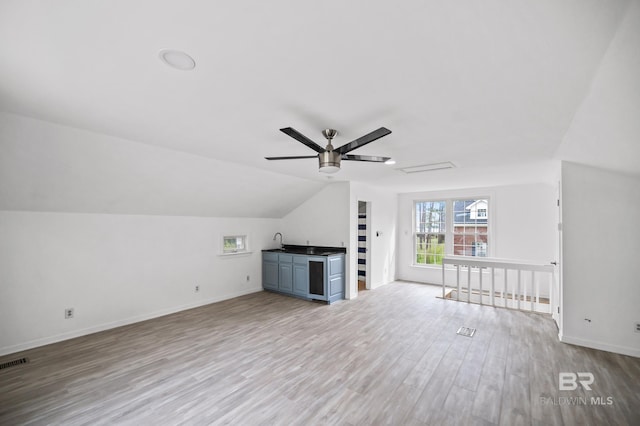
{"x":329,"y":156}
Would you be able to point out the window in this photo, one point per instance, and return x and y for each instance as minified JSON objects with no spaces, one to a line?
{"x":234,"y":244}
{"x":470,"y":227}
{"x":454,"y":227}
{"x":430,"y":232}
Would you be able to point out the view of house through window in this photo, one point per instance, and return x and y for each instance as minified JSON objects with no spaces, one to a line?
{"x":458,"y":227}
{"x":470,"y":227}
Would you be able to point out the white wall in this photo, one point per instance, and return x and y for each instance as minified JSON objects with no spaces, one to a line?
{"x":114,"y":270}
{"x":382,"y":247}
{"x":322,"y":220}
{"x":601,"y":244}
{"x":522,"y":219}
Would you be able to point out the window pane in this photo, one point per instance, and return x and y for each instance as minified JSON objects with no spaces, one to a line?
{"x":429,"y":249}
{"x":430,"y":216}
{"x":470,"y":226}
{"x":234,"y":243}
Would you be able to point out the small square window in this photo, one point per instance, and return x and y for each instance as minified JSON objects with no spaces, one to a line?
{"x":234,"y":244}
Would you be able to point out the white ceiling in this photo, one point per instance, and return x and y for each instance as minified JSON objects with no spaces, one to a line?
{"x":492,"y":86}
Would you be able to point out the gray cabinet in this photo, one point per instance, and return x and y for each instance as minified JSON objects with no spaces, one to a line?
{"x":270,"y":271}
{"x":304,"y":276}
{"x":285,"y":273}
{"x":335,"y":278}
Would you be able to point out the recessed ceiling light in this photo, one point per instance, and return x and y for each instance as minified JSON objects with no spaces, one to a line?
{"x":177,"y":59}
{"x":428,"y":167}
{"x":390,"y":161}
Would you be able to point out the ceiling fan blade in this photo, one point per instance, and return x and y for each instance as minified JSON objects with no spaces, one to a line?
{"x":371,"y":158}
{"x":296,"y":157}
{"x":361,"y":141}
{"x":302,"y":138}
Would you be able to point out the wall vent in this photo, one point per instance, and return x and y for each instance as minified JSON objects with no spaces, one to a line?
{"x":427,"y":167}
{"x":13,"y":363}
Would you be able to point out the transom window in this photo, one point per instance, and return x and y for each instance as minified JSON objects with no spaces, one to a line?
{"x":451,"y":226}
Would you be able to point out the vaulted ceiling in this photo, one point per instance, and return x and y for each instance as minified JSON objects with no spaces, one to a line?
{"x":492,"y":86}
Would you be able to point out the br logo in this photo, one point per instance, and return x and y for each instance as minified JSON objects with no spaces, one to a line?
{"x":569,"y":381}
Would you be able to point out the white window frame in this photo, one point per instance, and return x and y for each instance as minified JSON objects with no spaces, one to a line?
{"x":449,"y":225}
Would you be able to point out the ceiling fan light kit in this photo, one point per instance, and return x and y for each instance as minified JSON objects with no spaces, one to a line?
{"x":329,"y":157}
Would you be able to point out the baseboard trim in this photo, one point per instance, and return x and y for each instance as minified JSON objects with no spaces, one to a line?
{"x":623,"y":350}
{"x":114,"y":324}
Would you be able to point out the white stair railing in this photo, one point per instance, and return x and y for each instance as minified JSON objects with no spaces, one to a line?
{"x":498,"y":282}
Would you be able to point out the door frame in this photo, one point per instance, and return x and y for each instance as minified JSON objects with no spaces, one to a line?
{"x":557,"y":308}
{"x":367,"y":268}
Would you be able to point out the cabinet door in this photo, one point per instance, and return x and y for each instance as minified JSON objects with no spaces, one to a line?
{"x":270,"y":275}
{"x":336,"y":287}
{"x":300,"y":279}
{"x":285,"y":280}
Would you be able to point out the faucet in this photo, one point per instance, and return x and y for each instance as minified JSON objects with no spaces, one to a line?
{"x":274,"y":238}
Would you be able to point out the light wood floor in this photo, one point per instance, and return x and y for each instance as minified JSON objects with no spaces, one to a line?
{"x":391,"y":356}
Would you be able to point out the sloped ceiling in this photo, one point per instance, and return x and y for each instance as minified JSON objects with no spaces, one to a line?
{"x":605,"y":131}
{"x":48,"y":167}
{"x":492,"y":86}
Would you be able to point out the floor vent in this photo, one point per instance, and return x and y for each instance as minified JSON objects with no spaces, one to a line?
{"x":13,"y":363}
{"x":466,"y":331}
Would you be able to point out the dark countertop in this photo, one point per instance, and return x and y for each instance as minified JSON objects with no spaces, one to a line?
{"x":308,"y":250}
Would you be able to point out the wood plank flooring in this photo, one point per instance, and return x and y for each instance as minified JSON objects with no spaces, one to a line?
{"x":391,"y":356}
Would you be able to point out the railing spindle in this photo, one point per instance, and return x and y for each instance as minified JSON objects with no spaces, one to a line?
{"x":533,"y":288}
{"x":468,"y":284}
{"x":505,"y":288}
{"x":493,"y":285}
{"x":519,"y":290}
{"x":458,"y":282}
{"x":480,"y":272}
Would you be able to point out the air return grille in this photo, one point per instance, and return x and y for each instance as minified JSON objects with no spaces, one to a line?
{"x":13,"y":363}
{"x":466,"y":331}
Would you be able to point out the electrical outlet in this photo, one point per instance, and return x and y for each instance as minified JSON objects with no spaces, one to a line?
{"x":638,"y":327}
{"x":68,"y":313}
{"x":197,"y":288}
